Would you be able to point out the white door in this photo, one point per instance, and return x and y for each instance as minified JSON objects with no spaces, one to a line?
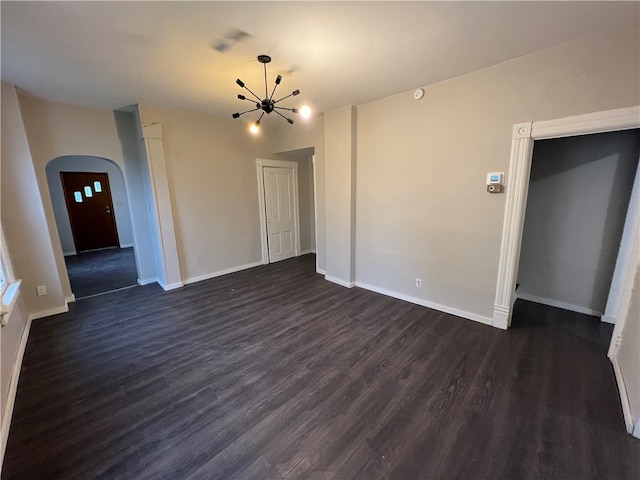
{"x":279,"y":197}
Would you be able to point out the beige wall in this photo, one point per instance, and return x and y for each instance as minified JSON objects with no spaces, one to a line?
{"x":305,"y":135}
{"x":213,"y":185}
{"x":422,"y":208}
{"x":24,"y":225}
{"x":55,"y":130}
{"x":629,"y":353}
{"x":23,"y":216}
{"x":340,"y":175}
{"x":305,"y":203}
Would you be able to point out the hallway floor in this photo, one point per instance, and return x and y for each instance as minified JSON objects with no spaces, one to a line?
{"x":101,"y":271}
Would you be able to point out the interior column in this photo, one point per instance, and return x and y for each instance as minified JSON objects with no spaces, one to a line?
{"x":340,"y":194}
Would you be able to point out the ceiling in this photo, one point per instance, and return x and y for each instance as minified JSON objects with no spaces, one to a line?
{"x":112,"y":54}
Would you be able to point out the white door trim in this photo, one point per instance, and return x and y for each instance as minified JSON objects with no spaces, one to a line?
{"x":625,"y":263}
{"x":517,"y":186}
{"x":170,"y":277}
{"x":260,"y":163}
{"x":315,"y":207}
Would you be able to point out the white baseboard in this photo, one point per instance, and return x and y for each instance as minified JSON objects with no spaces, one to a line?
{"x":126,"y":245}
{"x":306,"y":252}
{"x":69,"y":253}
{"x":13,"y":388}
{"x":147,"y":281}
{"x":425,"y":303}
{"x":321,"y":271}
{"x":171,"y":286}
{"x":219,"y":273}
{"x":70,"y":299}
{"x":624,"y":397}
{"x":608,"y":319}
{"x":555,"y":303}
{"x":501,"y":316}
{"x":636,"y":429}
{"x":340,"y":282}
{"x":48,"y":313}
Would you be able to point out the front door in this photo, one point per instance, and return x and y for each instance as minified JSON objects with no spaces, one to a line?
{"x":278,"y":192}
{"x":90,"y":208}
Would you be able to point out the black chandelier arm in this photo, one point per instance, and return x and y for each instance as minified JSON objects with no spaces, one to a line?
{"x":236,"y":115}
{"x":242,"y":97}
{"x":278,"y":80}
{"x":287,"y":119}
{"x":294,"y":110}
{"x":258,"y":122}
{"x":247,"y":88}
{"x":292,"y":94}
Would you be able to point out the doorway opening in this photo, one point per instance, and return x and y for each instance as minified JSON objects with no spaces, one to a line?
{"x":286,"y":193}
{"x":578,"y":197}
{"x":93,"y":219}
{"x":523,"y":137}
{"x":619,"y":306}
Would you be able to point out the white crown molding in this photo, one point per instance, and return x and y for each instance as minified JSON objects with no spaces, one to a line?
{"x":589,"y":123}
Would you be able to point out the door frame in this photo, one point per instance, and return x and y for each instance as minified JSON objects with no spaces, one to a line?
{"x":315,"y":207}
{"x":517,"y":188}
{"x":260,"y":163}
{"x":69,"y":206}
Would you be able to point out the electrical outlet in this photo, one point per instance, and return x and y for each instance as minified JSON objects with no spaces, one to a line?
{"x":41,"y":290}
{"x":418,"y":282}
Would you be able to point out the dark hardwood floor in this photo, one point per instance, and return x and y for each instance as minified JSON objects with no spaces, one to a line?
{"x":92,"y":273}
{"x":275,"y":373}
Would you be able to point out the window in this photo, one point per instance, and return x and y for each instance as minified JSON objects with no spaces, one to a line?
{"x":78,"y":196}
{"x":4,"y":270}
{"x":3,"y":279}
{"x":9,"y":287}
{"x":88,"y":192}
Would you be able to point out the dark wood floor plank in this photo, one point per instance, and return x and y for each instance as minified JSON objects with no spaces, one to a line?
{"x":275,"y":373}
{"x":100,"y":271}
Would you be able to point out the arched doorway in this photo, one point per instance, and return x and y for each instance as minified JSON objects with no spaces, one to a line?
{"x":92,"y":214}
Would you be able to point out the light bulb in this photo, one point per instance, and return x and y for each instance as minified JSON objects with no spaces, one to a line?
{"x":254,"y":128}
{"x":305,"y":111}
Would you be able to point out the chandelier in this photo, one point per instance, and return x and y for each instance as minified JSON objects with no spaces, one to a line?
{"x":268,"y":104}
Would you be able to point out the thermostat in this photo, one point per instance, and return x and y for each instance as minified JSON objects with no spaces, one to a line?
{"x":494,"y":182}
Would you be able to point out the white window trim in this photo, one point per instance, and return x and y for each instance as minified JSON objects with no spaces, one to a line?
{"x":10,"y":287}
